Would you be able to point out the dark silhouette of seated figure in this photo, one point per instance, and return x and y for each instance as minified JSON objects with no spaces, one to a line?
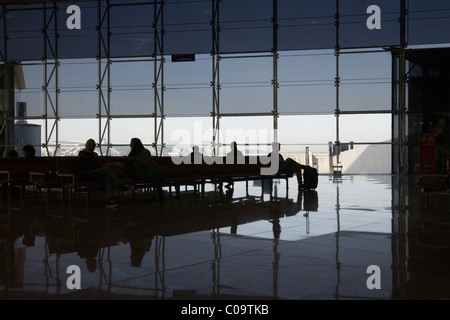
{"x":196,"y":155}
{"x":235,"y":156}
{"x":288,"y":165}
{"x":28,"y":151}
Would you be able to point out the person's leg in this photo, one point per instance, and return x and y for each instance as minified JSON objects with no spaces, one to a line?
{"x":113,"y":178}
{"x":156,"y":179}
{"x":292,"y":166}
{"x":109,"y":179}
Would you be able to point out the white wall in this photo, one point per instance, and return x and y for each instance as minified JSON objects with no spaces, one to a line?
{"x":366,"y":160}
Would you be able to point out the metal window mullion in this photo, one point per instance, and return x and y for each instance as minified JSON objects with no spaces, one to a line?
{"x":48,"y":99}
{"x":402,"y":90}
{"x":158,"y":77}
{"x":3,"y":56}
{"x":215,"y":83}
{"x":47,"y":23}
{"x":3,"y":16}
{"x":275,"y":82}
{"x":337,"y":83}
{"x":104,"y":74}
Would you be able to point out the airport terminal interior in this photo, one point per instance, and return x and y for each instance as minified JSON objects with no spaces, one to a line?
{"x":376,"y":227}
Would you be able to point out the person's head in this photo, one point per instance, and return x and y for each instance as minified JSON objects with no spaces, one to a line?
{"x":90,"y":145}
{"x":28,"y":151}
{"x":91,"y":264}
{"x":28,"y":240}
{"x":12,"y":154}
{"x":195,"y":149}
{"x":136,"y":259}
{"x":136,"y":144}
{"x":89,"y":253}
{"x":233,"y":145}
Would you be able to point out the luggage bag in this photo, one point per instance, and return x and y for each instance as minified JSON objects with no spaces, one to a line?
{"x":310,"y":178}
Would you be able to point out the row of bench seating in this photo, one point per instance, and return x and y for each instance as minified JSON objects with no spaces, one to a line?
{"x":22,"y":172}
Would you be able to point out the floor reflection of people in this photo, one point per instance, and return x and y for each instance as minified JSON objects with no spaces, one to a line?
{"x":87,"y":249}
{"x":140,"y":241}
{"x":311,"y":201}
{"x":12,"y":261}
{"x":89,"y":253}
{"x":89,"y":239}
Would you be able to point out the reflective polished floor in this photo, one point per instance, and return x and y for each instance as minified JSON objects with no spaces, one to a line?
{"x":356,"y":238}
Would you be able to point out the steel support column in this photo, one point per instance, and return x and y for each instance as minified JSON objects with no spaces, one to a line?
{"x":337,"y":82}
{"x":215,"y":83}
{"x":51,"y":81}
{"x":6,"y":85}
{"x":158,"y":80}
{"x":104,"y":77}
{"x":402,"y":118}
{"x":275,"y":82}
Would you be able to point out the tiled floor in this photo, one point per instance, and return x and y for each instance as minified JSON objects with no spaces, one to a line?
{"x":246,"y":245}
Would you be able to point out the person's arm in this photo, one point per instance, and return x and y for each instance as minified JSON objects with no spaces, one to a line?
{"x":87,"y":161}
{"x":145,"y":158}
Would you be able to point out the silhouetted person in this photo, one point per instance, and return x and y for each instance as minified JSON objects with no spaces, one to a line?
{"x":289,"y":165}
{"x":28,"y":151}
{"x":196,"y":155}
{"x":235,"y":156}
{"x":142,"y":166}
{"x":91,"y":170}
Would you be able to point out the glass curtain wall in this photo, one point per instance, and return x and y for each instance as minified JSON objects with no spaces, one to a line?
{"x":316,"y":76}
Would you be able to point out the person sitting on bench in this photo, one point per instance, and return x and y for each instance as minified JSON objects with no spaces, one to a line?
{"x":288,"y":165}
{"x":90,"y":169}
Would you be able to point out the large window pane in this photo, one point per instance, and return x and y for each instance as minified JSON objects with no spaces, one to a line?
{"x":306,"y":83}
{"x":428,"y":22}
{"x":132,"y":34}
{"x":181,"y":135}
{"x":187,"y":27}
{"x":353,"y":29}
{"x":24,"y":31}
{"x":188,"y":87}
{"x":246,"y":85}
{"x":305,"y":24}
{"x":246,"y":26}
{"x":365,"y":81}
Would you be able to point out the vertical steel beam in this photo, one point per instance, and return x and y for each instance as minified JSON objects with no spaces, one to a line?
{"x":158,"y":80}
{"x":4,"y":93}
{"x":275,"y":83}
{"x":51,"y":76}
{"x":215,"y":83}
{"x":399,"y":104}
{"x":402,"y":118}
{"x":3,"y":24}
{"x":337,"y":82}
{"x":104,"y":77}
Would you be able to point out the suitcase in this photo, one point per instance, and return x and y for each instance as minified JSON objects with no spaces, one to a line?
{"x":310,"y":178}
